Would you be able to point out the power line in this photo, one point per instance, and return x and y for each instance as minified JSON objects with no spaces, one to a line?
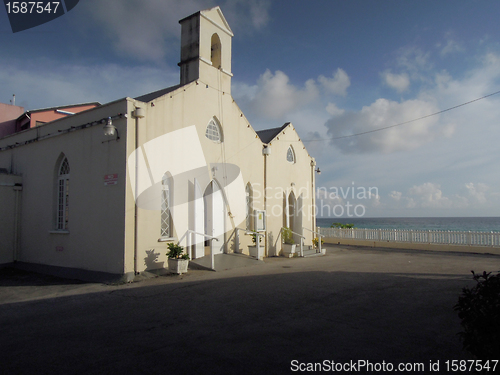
{"x":403,"y":123}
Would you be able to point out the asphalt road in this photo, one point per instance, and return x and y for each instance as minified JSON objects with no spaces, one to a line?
{"x":384,"y":307}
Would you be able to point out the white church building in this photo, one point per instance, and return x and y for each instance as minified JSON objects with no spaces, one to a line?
{"x":105,"y":190}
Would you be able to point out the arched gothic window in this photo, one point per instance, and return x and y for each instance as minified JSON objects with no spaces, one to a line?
{"x":290,"y":155}
{"x":214,"y":131}
{"x":249,"y":207}
{"x":63,"y":195}
{"x":166,"y":206}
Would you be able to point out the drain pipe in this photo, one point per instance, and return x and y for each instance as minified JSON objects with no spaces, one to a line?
{"x":17,"y":188}
{"x":265,"y":151}
{"x":137,"y":114}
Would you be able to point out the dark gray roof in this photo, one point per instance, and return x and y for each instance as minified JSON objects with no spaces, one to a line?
{"x":156,"y":94}
{"x":267,"y":135}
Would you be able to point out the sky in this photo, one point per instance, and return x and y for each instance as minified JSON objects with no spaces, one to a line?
{"x":333,"y":68}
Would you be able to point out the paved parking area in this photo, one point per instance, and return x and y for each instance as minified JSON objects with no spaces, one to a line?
{"x":354,"y":304}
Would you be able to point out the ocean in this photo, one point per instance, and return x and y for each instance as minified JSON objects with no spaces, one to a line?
{"x":473,"y":224}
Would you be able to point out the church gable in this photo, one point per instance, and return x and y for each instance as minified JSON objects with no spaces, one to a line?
{"x":216,"y":17}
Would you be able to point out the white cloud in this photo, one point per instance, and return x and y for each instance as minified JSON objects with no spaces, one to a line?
{"x":383,"y":113}
{"x":440,"y":92}
{"x":333,"y":110}
{"x":451,"y":46}
{"x":430,"y":195}
{"x":477,"y":192}
{"x":338,"y":84}
{"x":413,"y":60}
{"x":276,"y":96}
{"x":396,"y":195}
{"x":247,"y":14}
{"x":399,"y":82}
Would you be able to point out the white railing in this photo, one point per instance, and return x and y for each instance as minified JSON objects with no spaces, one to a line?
{"x":236,"y":233}
{"x":302,"y":238}
{"x":190,"y":240}
{"x":319,"y":235}
{"x":491,"y":239}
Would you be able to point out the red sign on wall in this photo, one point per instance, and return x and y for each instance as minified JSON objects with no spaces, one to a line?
{"x":111,"y":179}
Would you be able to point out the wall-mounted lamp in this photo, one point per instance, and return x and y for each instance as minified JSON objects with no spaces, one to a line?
{"x":317,"y":171}
{"x":110,"y":130}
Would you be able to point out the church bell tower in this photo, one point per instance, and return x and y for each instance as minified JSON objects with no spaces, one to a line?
{"x":206,"y":49}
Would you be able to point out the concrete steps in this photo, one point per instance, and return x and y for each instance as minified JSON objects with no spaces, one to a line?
{"x":308,"y":253}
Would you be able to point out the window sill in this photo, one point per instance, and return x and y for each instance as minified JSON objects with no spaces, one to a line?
{"x":166,"y":239}
{"x":59,"y":232}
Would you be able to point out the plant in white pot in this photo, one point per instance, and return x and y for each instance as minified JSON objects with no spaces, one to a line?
{"x":288,"y":246}
{"x":177,"y":261}
{"x":253,"y":250}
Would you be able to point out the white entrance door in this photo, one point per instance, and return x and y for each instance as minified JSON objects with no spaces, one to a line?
{"x":215,"y":213}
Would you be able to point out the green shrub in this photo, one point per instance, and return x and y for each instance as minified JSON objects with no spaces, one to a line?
{"x":175,"y":251}
{"x":287,"y":236}
{"x":254,"y":237}
{"x":479,"y":311}
{"x":343,"y":226}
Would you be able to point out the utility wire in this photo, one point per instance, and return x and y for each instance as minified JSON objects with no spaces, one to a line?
{"x":403,"y":123}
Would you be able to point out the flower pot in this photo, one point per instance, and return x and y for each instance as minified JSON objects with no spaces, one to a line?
{"x":252,"y":250}
{"x":288,"y":250}
{"x":178,"y":266}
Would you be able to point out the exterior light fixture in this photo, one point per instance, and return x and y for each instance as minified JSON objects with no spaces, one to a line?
{"x":317,"y":171}
{"x":110,"y":130}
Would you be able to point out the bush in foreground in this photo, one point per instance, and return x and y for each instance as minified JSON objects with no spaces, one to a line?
{"x":479,"y":310}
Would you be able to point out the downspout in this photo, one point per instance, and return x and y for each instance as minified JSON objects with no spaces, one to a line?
{"x":313,"y":191}
{"x":17,"y":220}
{"x":265,"y":151}
{"x":136,"y":210}
{"x":137,"y":114}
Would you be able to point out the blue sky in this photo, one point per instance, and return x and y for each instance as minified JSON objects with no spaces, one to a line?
{"x":333,"y":68}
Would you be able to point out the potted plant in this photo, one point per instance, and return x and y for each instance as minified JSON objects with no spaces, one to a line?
{"x":316,"y":242}
{"x":288,"y":246}
{"x":177,"y":261}
{"x":252,"y":249}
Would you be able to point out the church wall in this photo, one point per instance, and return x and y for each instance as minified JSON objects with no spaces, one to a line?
{"x":10,"y":204}
{"x":283,"y":178}
{"x":187,"y":111}
{"x":94,"y":240}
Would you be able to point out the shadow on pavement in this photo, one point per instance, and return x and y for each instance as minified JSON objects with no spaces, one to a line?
{"x":244,"y":325}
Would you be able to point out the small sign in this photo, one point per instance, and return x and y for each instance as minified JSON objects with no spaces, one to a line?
{"x":260,"y":220}
{"x":111,"y":179}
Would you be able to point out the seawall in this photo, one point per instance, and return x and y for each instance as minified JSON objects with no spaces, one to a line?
{"x":414,"y":246}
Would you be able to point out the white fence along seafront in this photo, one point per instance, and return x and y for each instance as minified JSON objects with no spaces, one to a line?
{"x":491,"y":239}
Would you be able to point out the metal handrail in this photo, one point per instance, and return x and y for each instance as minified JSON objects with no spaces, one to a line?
{"x":298,"y":234}
{"x":247,"y":232}
{"x":319,"y":237}
{"x":188,"y":245}
{"x":302,"y":238}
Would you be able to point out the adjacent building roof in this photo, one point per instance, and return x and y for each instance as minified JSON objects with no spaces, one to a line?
{"x":267,"y":135}
{"x":97,"y":104}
